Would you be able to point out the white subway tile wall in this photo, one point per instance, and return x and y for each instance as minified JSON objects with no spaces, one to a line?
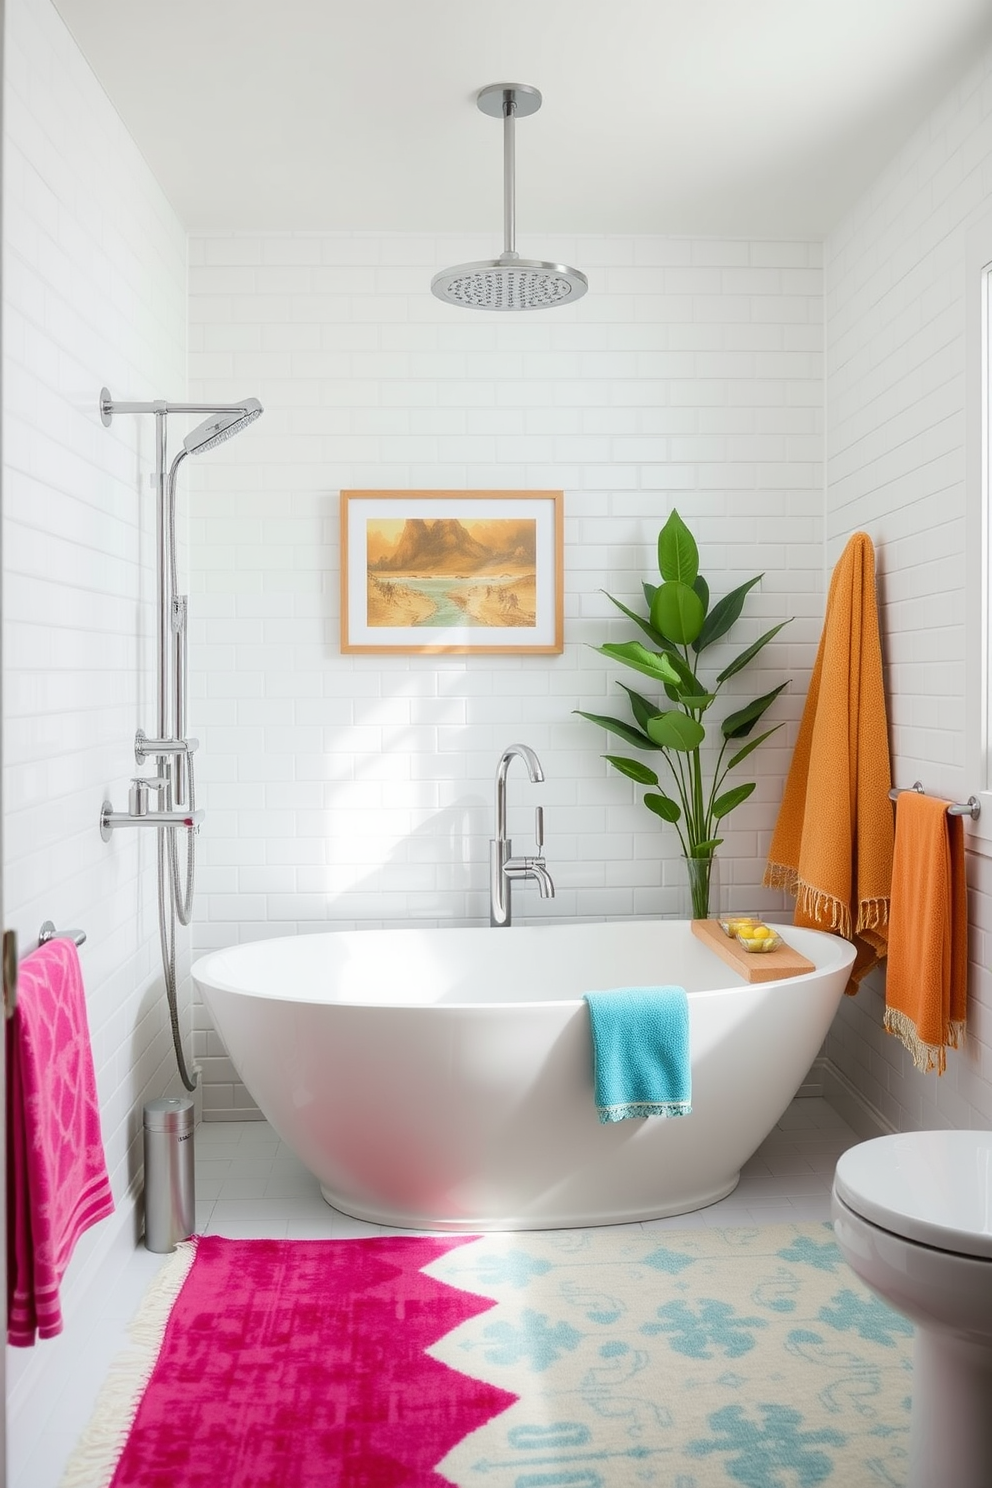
{"x":895,"y":400}
{"x":358,"y":790}
{"x":94,"y":292}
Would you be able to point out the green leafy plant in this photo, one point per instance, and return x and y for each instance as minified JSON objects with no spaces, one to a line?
{"x":680,"y":624}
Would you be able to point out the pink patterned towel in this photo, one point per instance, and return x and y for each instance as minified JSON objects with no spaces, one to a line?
{"x":57,"y":1183}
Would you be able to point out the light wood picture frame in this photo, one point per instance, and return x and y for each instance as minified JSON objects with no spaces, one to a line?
{"x":452,"y":571}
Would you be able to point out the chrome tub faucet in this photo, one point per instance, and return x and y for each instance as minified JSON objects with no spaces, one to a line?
{"x":503,"y":867}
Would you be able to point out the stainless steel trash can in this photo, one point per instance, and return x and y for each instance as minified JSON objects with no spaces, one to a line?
{"x":170,"y":1203}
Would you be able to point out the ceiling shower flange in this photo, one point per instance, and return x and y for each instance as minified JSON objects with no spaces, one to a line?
{"x":492,"y":98}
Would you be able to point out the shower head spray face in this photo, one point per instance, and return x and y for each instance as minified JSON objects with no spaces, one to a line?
{"x":222,"y":426}
{"x":509,"y":282}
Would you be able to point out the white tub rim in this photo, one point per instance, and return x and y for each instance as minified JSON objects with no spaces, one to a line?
{"x":834,"y":955}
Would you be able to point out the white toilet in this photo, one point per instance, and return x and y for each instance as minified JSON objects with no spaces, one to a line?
{"x":913,"y":1217}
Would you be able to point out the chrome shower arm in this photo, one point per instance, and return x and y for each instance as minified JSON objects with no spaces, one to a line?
{"x":200,"y":407}
{"x":509,"y":174}
{"x":109,"y":406}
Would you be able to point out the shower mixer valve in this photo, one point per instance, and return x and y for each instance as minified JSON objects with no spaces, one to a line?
{"x":138,"y":813}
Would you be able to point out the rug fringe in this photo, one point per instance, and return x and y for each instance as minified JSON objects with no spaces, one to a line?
{"x":94,"y":1458}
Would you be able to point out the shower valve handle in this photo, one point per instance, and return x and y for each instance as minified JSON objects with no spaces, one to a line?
{"x":137,"y":800}
{"x":539,"y":828}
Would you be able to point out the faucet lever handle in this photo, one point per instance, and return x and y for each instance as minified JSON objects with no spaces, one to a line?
{"x":138,"y":795}
{"x":539,"y":828}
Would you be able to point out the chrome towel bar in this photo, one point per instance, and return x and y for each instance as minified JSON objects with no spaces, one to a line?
{"x":9,"y":958}
{"x":972,"y":807}
{"x":48,"y":932}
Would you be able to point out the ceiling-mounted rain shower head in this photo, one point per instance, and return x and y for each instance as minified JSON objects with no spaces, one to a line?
{"x":214,"y":431}
{"x":509,"y":282}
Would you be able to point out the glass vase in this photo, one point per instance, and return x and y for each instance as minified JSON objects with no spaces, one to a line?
{"x":700,"y":888}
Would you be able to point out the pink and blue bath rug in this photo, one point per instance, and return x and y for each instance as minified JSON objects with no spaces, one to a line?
{"x":707,"y":1358}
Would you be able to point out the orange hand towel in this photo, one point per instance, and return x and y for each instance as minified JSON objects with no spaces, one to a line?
{"x":926,"y":982}
{"x":832,"y":844}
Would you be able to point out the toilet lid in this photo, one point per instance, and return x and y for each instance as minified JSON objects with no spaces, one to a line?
{"x":934,"y":1187}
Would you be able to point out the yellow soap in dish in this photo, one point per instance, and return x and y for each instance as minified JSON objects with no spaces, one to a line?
{"x":733,"y":925}
{"x":757,"y":939}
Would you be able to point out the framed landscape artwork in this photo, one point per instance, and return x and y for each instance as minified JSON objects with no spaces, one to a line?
{"x":451,"y":571}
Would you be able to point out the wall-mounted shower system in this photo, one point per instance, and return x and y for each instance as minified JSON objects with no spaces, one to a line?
{"x":509,"y":282}
{"x":166,"y":800}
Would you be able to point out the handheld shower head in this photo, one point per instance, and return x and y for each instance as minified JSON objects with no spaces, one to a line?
{"x":221,"y":426}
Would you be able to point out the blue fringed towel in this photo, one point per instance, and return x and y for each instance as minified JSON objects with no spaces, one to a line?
{"x":640,"y":1049}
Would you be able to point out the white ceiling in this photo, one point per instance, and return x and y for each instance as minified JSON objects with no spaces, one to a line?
{"x":745,"y":117}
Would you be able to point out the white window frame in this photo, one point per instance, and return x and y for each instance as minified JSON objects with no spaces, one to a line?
{"x":978,"y":528}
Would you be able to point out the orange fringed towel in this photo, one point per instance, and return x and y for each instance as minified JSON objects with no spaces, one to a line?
{"x":926,"y":982}
{"x":832,"y":844}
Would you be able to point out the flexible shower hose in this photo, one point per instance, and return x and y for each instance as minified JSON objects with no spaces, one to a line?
{"x":175,"y":904}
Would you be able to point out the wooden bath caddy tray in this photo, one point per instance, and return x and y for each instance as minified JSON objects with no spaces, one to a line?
{"x":761,"y":966}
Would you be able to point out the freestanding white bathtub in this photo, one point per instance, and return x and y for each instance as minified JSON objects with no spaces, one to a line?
{"x":442,"y":1079}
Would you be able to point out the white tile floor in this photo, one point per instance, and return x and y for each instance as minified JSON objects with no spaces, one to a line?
{"x":250,"y":1185}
